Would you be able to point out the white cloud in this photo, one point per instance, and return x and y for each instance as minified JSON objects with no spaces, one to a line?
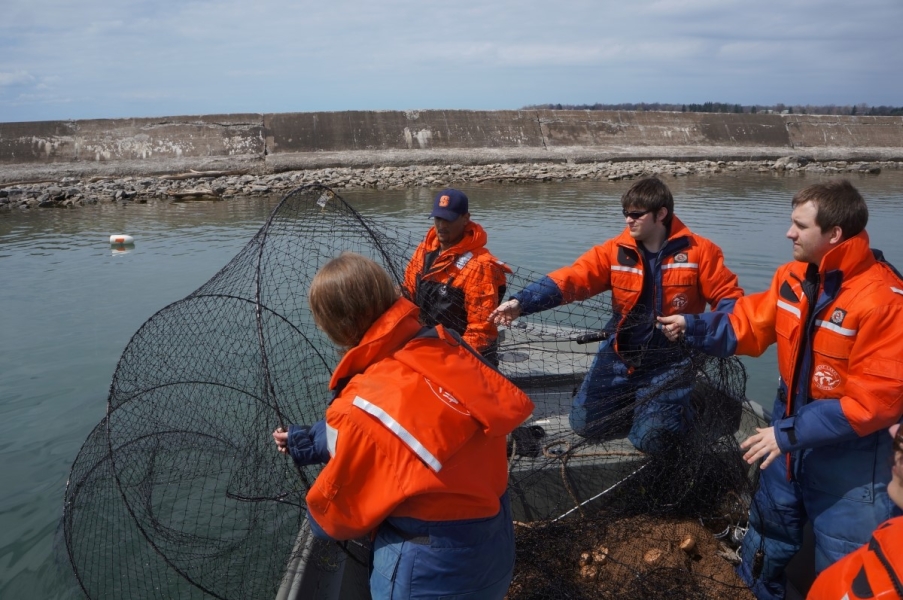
{"x":191,"y":57}
{"x":16,"y":78}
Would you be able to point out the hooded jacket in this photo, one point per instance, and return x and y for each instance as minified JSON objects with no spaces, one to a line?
{"x":458,"y":287}
{"x":418,"y":430}
{"x":840,"y":352}
{"x":689,"y":274}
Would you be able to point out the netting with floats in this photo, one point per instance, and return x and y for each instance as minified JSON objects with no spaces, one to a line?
{"x":179,"y":493}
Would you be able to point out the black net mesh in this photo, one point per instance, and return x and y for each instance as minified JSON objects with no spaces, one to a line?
{"x":179,"y":492}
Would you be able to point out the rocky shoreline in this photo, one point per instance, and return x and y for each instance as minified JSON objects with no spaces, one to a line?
{"x":71,"y":192}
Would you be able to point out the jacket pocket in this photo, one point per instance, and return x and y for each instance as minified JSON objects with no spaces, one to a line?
{"x":682,"y":277}
{"x":627,"y":281}
{"x":884,"y":367}
{"x":832,"y":344}
{"x":386,"y":559}
{"x":785,"y":323}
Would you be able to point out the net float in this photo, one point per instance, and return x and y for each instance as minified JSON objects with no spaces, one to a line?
{"x":120,"y":239}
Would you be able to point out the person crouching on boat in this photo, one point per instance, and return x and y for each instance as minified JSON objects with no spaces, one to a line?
{"x":453,"y":277}
{"x":656,"y":266}
{"x":413,"y":443}
{"x":875,"y":570}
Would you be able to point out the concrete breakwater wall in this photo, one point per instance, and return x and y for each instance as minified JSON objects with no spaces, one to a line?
{"x":269,"y":143}
{"x":223,"y":155}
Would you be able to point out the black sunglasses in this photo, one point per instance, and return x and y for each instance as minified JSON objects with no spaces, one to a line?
{"x":635,"y":214}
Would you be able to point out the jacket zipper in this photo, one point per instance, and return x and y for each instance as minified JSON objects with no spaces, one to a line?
{"x":810,"y":286}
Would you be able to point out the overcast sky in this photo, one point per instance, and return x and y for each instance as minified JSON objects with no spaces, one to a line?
{"x":61,"y":59}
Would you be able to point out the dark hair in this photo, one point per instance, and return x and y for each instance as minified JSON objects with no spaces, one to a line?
{"x":650,"y":194}
{"x":347,"y":295}
{"x":838,"y":204}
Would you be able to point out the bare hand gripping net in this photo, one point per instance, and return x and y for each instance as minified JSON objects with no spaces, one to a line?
{"x":179,"y":491}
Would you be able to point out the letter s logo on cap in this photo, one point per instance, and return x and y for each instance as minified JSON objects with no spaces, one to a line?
{"x":443,"y":201}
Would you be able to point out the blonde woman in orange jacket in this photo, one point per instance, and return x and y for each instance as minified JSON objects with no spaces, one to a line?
{"x":414,"y":443}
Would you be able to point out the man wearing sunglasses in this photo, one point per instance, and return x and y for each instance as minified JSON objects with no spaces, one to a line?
{"x":836,"y":315}
{"x":656,"y":266}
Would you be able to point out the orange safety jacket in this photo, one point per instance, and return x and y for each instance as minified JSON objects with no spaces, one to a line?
{"x":838,"y":337}
{"x":690,"y":274}
{"x":458,"y":287}
{"x":842,"y":340}
{"x":417,"y":431}
{"x":874,"y":571}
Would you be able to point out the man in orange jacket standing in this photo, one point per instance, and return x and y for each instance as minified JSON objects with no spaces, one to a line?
{"x":657,"y":266}
{"x":453,"y":278}
{"x":836,"y":314}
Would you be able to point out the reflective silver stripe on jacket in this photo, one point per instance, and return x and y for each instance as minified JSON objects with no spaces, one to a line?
{"x":789,"y":308}
{"x":463,"y":260}
{"x":332,"y":436}
{"x":835,"y":328}
{"x":403,"y":434}
{"x":627,"y":269}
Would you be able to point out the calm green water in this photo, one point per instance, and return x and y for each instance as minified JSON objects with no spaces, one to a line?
{"x":69,"y":304}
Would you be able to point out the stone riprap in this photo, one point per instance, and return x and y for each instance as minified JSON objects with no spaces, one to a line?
{"x":71,"y":163}
{"x":72,"y":192}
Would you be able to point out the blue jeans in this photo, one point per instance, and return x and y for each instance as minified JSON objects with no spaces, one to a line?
{"x":445,"y":560}
{"x":652,"y":402}
{"x":841,"y":488}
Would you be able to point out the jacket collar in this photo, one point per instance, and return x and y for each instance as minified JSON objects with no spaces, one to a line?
{"x":851,"y":256}
{"x":392,"y":330}
{"x":678,"y":231}
{"x":474,"y":237}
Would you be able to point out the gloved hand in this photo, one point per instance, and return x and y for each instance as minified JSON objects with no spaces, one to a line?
{"x":306,"y":445}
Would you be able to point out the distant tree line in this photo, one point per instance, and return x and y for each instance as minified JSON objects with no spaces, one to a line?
{"x":723,"y":107}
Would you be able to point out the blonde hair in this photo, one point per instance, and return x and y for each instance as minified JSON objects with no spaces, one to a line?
{"x":347,"y":295}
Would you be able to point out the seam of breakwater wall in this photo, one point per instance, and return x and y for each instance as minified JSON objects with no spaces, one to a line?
{"x":789,"y":133}
{"x":542,"y":133}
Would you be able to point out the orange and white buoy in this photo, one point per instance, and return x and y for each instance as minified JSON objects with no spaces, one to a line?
{"x":120,"y":239}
